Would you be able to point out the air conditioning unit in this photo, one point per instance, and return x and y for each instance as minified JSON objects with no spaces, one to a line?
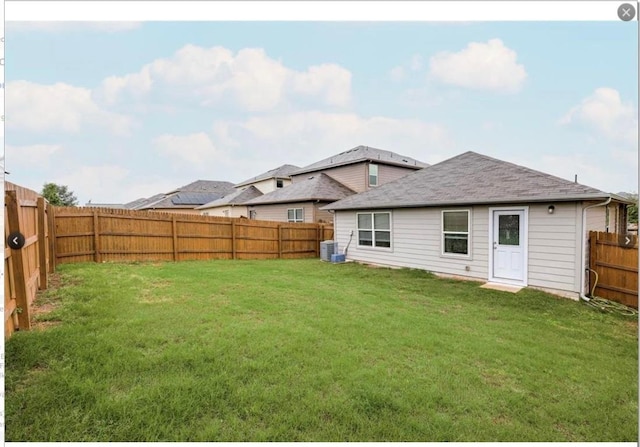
{"x":327,"y":248}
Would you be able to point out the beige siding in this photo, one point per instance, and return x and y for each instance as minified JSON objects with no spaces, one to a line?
{"x":278,"y":212}
{"x":596,"y":219}
{"x":267,"y":185}
{"x":232,"y":211}
{"x":353,"y":176}
{"x":387,"y":173}
{"x":553,"y":244}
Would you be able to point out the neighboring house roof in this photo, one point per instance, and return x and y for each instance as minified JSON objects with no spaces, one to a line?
{"x":470,"y":179}
{"x":235,"y":198}
{"x":186,"y":197}
{"x":283,"y":171}
{"x":363,"y":153}
{"x":105,"y":205}
{"x":317,"y":187}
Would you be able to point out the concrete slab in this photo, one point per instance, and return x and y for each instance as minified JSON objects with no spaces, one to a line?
{"x":502,"y":287}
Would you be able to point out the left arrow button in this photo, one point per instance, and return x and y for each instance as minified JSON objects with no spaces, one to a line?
{"x":16,"y":240}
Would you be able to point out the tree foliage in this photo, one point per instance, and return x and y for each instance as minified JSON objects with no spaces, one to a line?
{"x":632,"y":210}
{"x":59,"y":195}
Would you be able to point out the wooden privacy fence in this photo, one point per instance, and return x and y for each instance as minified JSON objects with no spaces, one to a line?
{"x":104,"y":235}
{"x":616,"y":266}
{"x":25,"y":269}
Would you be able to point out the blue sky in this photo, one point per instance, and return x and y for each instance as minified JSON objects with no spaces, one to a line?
{"x":124,"y":110}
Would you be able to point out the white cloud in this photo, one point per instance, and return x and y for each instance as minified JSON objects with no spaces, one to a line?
{"x":58,"y":107}
{"x":482,"y":66}
{"x":607,"y":115}
{"x":102,"y":183}
{"x":196,"y":150}
{"x":250,"y":79}
{"x":290,"y":138}
{"x":34,"y":155}
{"x":61,"y":27}
{"x":397,"y":73}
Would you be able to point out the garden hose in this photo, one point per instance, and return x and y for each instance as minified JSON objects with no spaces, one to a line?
{"x":605,"y":305}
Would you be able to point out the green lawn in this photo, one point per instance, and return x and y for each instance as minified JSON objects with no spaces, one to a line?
{"x":311,"y":351}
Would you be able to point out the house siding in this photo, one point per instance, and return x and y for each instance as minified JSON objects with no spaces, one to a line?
{"x":278,"y":212}
{"x":553,"y":244}
{"x":388,"y":173}
{"x":353,"y":176}
{"x":234,"y":211}
{"x":267,"y":185}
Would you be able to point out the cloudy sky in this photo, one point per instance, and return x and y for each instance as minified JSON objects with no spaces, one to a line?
{"x":124,"y":110}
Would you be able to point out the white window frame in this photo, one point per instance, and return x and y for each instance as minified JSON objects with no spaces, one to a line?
{"x":377,"y":174}
{"x":468,"y":233}
{"x":373,"y":231}
{"x":295,"y":217}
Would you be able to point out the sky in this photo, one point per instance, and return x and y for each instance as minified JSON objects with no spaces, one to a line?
{"x":122,"y":110}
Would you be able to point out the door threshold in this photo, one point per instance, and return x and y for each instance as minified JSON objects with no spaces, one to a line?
{"x":502,"y":287}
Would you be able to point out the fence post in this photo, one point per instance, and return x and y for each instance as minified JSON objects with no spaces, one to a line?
{"x":20,"y":274}
{"x":279,"y":241}
{"x":593,"y":247}
{"x":42,"y":243}
{"x":174,"y":231}
{"x":51,"y":214}
{"x":318,"y":240}
{"x":233,"y":240}
{"x":96,"y":237}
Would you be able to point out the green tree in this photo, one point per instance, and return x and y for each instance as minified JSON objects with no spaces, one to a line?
{"x":632,"y":210}
{"x":58,"y":195}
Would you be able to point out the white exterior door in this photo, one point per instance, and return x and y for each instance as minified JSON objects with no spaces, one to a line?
{"x":509,"y":245}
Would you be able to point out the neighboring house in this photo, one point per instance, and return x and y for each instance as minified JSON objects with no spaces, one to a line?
{"x":271,"y":180}
{"x":231,"y":205}
{"x":362,"y":168}
{"x":299,"y":202}
{"x":478,"y":217}
{"x":333,"y":178}
{"x":186,"y":198}
{"x":105,"y":205}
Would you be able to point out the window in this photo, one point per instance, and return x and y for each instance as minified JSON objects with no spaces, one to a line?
{"x":374,"y":230}
{"x":373,"y":175}
{"x":252,"y":214}
{"x":279,"y":183}
{"x":455,"y":232}
{"x":295,"y":215}
{"x":225,"y":213}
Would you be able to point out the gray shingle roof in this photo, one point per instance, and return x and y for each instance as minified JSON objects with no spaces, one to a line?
{"x":466,"y":179}
{"x":317,"y":187}
{"x":283,"y":171}
{"x":359,"y":154}
{"x":235,"y":198}
{"x":188,"y":196}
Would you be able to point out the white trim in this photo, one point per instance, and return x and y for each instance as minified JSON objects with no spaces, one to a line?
{"x":525,"y":240}
{"x":295,"y":219}
{"x":469,"y":254}
{"x":373,"y":231}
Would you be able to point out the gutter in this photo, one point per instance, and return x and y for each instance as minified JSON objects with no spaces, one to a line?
{"x":583,"y":257}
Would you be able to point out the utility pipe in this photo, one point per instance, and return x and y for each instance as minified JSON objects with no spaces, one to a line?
{"x":584,"y":247}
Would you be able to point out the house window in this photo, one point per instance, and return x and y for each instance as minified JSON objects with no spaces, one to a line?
{"x":455,"y":232}
{"x":373,"y":175}
{"x":279,"y":183}
{"x":295,"y":215}
{"x":374,"y":230}
{"x":225,"y":213}
{"x":252,"y":214}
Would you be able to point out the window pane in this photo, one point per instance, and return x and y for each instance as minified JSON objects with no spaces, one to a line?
{"x":381,"y":221}
{"x":299,"y":215}
{"x":383,"y":239}
{"x":291,"y":215}
{"x":456,"y":221}
{"x":509,"y":230}
{"x":365,"y":238}
{"x":373,"y":175}
{"x":456,"y":243}
{"x":364,"y":221}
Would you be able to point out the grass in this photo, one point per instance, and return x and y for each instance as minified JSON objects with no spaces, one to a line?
{"x":309,"y":351}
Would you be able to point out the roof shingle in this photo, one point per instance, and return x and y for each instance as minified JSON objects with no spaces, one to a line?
{"x":317,"y":187}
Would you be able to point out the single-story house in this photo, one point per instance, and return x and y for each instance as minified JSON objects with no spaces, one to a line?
{"x":299,"y":202}
{"x":231,"y":205}
{"x":478,"y":217}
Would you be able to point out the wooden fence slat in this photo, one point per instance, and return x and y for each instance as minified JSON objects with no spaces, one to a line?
{"x":174,"y":232}
{"x":20,"y":268}
{"x":616,"y":267}
{"x":96,"y":237}
{"x":42,"y":245}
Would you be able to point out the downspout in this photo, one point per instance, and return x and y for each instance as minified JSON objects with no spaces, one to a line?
{"x":584,"y":249}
